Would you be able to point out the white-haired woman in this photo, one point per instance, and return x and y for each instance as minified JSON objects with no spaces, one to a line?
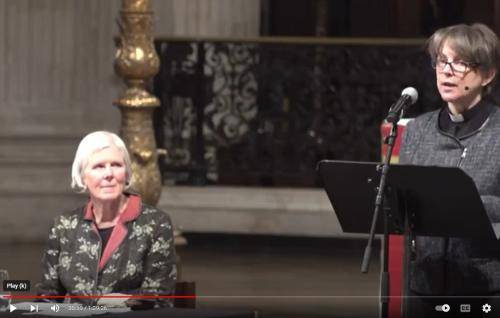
{"x":114,"y":243}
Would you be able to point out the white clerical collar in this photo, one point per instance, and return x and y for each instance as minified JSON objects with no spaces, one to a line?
{"x":458,"y":118}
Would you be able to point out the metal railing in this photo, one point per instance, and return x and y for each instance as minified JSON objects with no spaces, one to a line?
{"x":264,"y":111}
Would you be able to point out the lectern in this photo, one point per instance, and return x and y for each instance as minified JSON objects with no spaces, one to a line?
{"x":420,"y":200}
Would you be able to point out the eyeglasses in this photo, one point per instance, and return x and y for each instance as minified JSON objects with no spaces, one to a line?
{"x":455,"y":66}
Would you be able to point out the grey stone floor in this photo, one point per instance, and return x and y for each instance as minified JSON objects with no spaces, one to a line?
{"x":279,"y":277}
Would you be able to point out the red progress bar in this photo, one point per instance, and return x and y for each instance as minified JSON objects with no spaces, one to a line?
{"x":94,"y":296}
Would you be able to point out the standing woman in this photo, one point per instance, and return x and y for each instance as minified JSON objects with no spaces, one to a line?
{"x":464,"y":133}
{"x":113,"y":244}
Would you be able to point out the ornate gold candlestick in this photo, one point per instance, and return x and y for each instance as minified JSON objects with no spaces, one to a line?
{"x":136,"y":62}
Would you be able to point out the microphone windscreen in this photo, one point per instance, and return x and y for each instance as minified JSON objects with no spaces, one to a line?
{"x":412,"y":92}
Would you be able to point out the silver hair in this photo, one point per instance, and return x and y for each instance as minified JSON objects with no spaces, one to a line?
{"x":89,"y":145}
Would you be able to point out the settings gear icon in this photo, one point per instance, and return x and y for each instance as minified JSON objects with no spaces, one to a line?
{"x":486,"y":308}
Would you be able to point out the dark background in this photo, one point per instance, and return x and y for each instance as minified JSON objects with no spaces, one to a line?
{"x":372,"y":18}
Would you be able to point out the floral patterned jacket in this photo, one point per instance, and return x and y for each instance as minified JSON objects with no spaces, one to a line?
{"x":139,"y":257}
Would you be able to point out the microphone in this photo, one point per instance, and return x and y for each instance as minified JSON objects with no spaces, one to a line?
{"x":408,"y":97}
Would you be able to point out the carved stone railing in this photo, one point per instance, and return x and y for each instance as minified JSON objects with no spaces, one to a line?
{"x":264,"y":111}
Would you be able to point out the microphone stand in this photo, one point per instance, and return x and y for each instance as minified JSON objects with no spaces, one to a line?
{"x":379,"y":202}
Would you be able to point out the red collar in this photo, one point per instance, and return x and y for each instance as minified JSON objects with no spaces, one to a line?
{"x":131,"y":212}
{"x":120,"y":231}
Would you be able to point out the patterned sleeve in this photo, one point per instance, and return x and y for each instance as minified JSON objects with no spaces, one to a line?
{"x":50,"y":284}
{"x":160,"y":271}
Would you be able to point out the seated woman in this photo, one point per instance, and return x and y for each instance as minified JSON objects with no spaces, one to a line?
{"x":114,"y":243}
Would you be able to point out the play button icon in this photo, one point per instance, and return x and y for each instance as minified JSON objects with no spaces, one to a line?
{"x":12,"y":308}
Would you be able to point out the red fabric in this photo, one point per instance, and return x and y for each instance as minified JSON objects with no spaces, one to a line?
{"x":385,"y":129}
{"x":396,"y":242}
{"x":395,"y":263}
{"x":119,"y":233}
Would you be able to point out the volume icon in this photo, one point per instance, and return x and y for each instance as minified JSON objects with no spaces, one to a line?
{"x":55,"y":308}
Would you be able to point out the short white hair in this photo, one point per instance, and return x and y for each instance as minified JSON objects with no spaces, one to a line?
{"x":91,"y":144}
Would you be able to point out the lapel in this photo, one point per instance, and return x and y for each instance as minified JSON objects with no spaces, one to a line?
{"x":120,"y":231}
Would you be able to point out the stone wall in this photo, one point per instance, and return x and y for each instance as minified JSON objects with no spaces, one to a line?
{"x":214,"y":18}
{"x":57,"y":83}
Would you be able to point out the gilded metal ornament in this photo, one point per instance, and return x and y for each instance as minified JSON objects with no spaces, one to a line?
{"x":136,"y":62}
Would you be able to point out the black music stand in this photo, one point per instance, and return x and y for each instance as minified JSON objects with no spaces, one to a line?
{"x":427,"y":201}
